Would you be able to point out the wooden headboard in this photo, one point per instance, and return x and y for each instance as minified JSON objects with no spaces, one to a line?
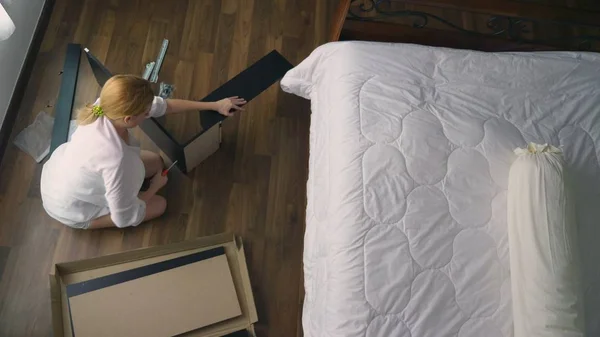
{"x":488,"y":25}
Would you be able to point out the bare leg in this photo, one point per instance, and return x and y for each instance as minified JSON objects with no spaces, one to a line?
{"x":153,"y":163}
{"x":155,"y":207}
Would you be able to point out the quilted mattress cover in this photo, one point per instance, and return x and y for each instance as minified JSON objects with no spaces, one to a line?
{"x":410,"y":148}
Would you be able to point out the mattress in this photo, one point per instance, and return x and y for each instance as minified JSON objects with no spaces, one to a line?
{"x":410,"y":148}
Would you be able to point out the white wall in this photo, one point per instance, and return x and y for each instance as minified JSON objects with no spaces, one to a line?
{"x":25,"y":14}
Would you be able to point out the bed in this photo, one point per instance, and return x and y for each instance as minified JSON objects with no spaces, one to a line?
{"x":410,"y":148}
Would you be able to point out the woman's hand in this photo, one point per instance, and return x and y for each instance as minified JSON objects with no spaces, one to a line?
{"x":158,"y":182}
{"x":228,"y":106}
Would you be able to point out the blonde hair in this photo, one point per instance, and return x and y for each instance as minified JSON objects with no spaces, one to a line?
{"x":121,"y":96}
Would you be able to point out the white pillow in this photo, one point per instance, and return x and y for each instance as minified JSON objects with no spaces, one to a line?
{"x":546,"y":289}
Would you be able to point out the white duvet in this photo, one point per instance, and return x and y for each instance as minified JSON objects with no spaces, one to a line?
{"x":411,"y":146}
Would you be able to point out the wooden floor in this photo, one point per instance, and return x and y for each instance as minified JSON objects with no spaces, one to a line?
{"x":254,"y":186}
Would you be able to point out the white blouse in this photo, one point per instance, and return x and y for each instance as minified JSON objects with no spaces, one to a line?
{"x":95,"y":171}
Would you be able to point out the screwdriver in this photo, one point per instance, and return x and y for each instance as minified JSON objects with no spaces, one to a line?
{"x":165,"y":171}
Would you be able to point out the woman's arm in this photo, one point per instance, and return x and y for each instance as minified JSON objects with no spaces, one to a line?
{"x":225,"y":106}
{"x":126,"y":209}
{"x":180,"y":105}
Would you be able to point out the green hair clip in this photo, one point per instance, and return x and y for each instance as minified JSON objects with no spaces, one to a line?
{"x":97,"y":110}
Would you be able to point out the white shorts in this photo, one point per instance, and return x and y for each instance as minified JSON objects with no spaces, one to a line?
{"x":78,"y":225}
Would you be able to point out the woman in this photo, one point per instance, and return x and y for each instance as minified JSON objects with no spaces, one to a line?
{"x":94,"y":180}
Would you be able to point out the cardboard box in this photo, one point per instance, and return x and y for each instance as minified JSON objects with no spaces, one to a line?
{"x":69,"y":273}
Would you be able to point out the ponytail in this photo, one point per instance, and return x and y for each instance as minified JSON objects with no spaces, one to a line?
{"x":86,"y":115}
{"x":121,"y":96}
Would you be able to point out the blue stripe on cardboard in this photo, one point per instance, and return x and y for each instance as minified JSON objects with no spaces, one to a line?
{"x":80,"y":288}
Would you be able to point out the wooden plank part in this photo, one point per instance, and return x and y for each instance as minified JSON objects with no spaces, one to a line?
{"x":101,"y":73}
{"x":165,"y":142}
{"x":202,"y":147}
{"x":66,"y":97}
{"x":248,"y":84}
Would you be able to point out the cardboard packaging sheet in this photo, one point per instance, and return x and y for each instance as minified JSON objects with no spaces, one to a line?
{"x":188,"y":298}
